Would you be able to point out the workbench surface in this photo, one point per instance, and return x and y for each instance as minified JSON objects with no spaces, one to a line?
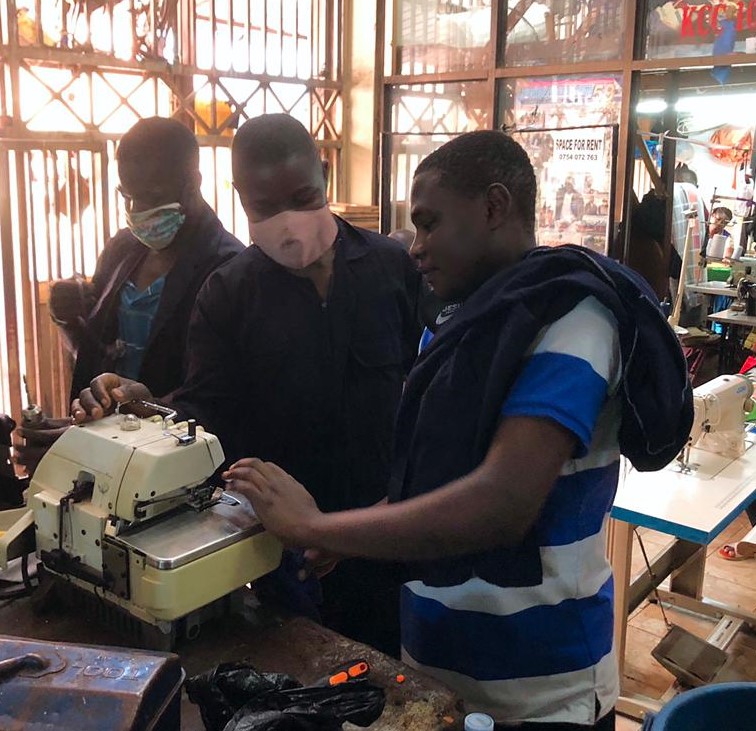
{"x":294,"y":646}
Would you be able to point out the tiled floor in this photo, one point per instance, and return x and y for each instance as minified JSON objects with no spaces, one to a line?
{"x":733,"y":582}
{"x":626,"y":724}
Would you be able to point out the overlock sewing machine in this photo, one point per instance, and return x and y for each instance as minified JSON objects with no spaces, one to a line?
{"x":125,"y":509}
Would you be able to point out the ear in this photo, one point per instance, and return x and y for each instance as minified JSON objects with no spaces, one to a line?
{"x":193,"y":180}
{"x":190,"y":193}
{"x":498,"y":204}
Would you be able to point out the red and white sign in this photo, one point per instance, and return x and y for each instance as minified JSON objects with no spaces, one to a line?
{"x":703,"y":20}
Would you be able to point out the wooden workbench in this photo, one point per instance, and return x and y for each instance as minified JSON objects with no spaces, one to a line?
{"x":294,"y":646}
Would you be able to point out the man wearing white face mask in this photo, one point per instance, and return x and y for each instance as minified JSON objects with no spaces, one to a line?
{"x":133,"y":317}
{"x":298,"y":351}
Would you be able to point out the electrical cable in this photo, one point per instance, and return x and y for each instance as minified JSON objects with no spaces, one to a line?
{"x":653,"y":576}
{"x":10,"y":595}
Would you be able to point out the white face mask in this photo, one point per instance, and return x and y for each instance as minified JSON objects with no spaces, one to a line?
{"x":295,"y":239}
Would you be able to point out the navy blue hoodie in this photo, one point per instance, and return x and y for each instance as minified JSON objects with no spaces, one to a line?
{"x":453,"y":398}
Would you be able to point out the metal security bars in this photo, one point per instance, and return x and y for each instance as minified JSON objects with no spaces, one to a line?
{"x":280,"y":38}
{"x":49,"y":230}
{"x":432,"y":36}
{"x":76,"y":74}
{"x":423,"y":117}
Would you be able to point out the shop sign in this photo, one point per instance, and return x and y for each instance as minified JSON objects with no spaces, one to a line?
{"x":574,"y":167}
{"x":703,"y":20}
{"x":580,"y":149}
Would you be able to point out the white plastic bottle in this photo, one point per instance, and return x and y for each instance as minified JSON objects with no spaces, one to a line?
{"x":478,"y":722}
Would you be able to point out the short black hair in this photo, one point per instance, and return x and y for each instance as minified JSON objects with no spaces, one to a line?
{"x":726,"y":212}
{"x":683,"y":174}
{"x":163,"y":139}
{"x":404,"y":236}
{"x":471,"y":163}
{"x":270,"y":139}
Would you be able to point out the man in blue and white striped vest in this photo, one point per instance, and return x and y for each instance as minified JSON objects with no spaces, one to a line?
{"x":507,"y":451}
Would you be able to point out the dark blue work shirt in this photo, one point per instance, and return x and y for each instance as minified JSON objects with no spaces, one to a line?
{"x":313,"y":386}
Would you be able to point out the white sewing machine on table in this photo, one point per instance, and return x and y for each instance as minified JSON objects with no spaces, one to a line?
{"x":123,"y":509}
{"x":720,"y":407}
{"x":692,"y":500}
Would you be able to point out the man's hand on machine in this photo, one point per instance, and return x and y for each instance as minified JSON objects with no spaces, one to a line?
{"x":283,"y":505}
{"x":317,"y":561}
{"x":104,"y":393}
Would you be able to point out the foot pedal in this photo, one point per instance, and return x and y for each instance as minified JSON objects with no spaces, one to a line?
{"x":690,"y":659}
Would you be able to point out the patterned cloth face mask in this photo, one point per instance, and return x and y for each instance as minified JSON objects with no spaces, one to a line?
{"x":157,"y":227}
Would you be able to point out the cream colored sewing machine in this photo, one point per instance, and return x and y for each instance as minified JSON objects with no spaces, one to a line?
{"x":123,"y":508}
{"x":720,"y":408}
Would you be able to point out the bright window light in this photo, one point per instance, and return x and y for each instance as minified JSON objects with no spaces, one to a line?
{"x":707,"y":102}
{"x":699,"y":103}
{"x":651,"y":106}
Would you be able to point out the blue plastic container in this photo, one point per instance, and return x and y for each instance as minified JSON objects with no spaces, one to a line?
{"x":718,"y":707}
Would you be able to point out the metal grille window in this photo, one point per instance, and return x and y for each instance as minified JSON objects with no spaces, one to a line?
{"x":136,"y":29}
{"x":433,"y":36}
{"x":58,"y":99}
{"x":562,"y":31}
{"x":289,"y":38}
{"x":50,"y":229}
{"x":423,"y":117}
{"x":76,"y":74}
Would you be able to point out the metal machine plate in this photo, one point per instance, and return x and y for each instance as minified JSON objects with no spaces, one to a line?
{"x":185,"y":536}
{"x":87,"y":688}
{"x":115,"y":568}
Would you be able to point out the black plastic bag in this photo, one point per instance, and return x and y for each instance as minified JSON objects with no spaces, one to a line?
{"x":220,"y":692}
{"x":236,"y":697}
{"x":271,"y":721}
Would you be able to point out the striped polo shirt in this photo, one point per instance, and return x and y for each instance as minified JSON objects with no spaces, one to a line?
{"x":542,"y":652}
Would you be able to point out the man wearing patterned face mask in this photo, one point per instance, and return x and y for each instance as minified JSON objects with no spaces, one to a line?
{"x":133,"y":317}
{"x":298,"y":351}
